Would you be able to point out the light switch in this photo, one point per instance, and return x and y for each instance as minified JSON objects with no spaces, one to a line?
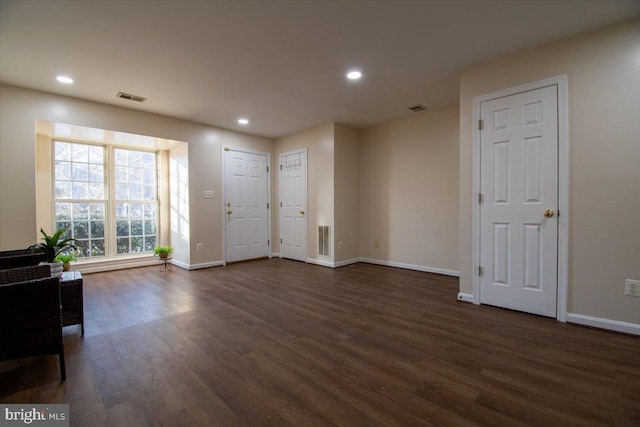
{"x":208,"y":194}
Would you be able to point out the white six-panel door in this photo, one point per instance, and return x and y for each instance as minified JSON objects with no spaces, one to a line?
{"x":246,"y":209}
{"x":293,"y":205}
{"x":519,"y":183}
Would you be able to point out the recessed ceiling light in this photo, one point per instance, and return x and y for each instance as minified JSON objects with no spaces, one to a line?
{"x":243,"y":121}
{"x":64,"y":79}
{"x":354,"y":75}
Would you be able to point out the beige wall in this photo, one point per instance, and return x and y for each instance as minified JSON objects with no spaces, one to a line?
{"x":319,"y":143}
{"x":347,"y":193}
{"x":409,"y":191}
{"x":603,"y":70}
{"x":20,"y":108}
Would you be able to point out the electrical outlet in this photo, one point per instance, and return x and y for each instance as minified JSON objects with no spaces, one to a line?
{"x":199,"y":246}
{"x":632,"y":287}
{"x":376,"y":244}
{"x":339,"y":245}
{"x":207,"y":194}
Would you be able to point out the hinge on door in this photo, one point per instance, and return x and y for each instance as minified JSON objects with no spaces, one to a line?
{"x":268,"y":242}
{"x":480,"y":124}
{"x":480,"y":198}
{"x":281,"y":241}
{"x":480,"y":271}
{"x":280,"y":204}
{"x":280,"y":167}
{"x":267,"y":168}
{"x":267,"y":205}
{"x":558,"y":212}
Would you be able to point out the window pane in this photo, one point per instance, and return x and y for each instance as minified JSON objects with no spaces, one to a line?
{"x":83,"y":248}
{"x":96,"y":173}
{"x":135,"y":158}
{"x":149,"y":227}
{"x":123,"y":245}
{"x":80,"y":211}
{"x":96,"y":211}
{"x":135,"y":176}
{"x":149,"y":210}
{"x":149,"y":243}
{"x":96,"y":191}
{"x":97,"y":229}
{"x":149,"y":192}
{"x":63,"y":151}
{"x":80,"y":171}
{"x":66,"y":225}
{"x":96,"y":155}
{"x":121,"y":157}
{"x":137,"y":244}
{"x":135,"y":192}
{"x":63,"y":171}
{"x":63,"y":190}
{"x":136,"y":211}
{"x":97,"y":247}
{"x":122,"y":211}
{"x":122,"y":228}
{"x":80,"y":190}
{"x":136,"y":228}
{"x":81,"y":229}
{"x":80,"y":153}
{"x":122,"y":192}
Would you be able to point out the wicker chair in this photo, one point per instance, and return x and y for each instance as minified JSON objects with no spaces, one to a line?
{"x":20,"y":258}
{"x":30,"y":320}
{"x":23,"y":274}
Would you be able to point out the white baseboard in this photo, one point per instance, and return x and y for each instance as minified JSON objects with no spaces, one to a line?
{"x":180,"y":264}
{"x":465,"y":297}
{"x":347,"y":262}
{"x":113,"y":265}
{"x":597,"y":322}
{"x":321,"y":262}
{"x":426,"y":269}
{"x":275,"y":255}
{"x":204,"y":265}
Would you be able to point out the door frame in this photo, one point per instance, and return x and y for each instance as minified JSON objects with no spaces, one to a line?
{"x":306,"y":199}
{"x":224,"y":148}
{"x":563,"y":185}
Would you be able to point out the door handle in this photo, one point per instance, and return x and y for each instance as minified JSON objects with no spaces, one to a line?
{"x":548,"y":213}
{"x":229,"y":212}
{"x":301,"y":212}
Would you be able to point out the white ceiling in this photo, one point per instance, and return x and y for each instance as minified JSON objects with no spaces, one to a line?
{"x":279,"y":63}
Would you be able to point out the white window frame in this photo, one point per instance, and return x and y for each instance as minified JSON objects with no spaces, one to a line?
{"x":110,"y":237}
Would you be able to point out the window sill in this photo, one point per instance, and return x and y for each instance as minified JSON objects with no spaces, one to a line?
{"x":109,"y":264}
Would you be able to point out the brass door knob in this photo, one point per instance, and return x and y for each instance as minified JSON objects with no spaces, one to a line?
{"x":548,"y":213}
{"x":229,"y":212}
{"x":301,"y":212}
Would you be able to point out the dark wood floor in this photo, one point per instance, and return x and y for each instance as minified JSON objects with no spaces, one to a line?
{"x":276,"y":342}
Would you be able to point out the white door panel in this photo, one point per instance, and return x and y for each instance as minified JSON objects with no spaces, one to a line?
{"x":293,"y":205}
{"x":246,"y":193}
{"x":519,"y":181}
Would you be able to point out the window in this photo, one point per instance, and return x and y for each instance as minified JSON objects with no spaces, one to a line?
{"x":88,"y":207}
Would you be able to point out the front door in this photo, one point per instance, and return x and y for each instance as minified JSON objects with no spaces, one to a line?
{"x":293,"y":205}
{"x":246,"y":205}
{"x":519,"y":206}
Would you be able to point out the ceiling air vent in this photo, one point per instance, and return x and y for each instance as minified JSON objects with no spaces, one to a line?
{"x":130,"y":97}
{"x":417,"y":108}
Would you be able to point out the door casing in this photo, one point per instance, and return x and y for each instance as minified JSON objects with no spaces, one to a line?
{"x":563,"y":185}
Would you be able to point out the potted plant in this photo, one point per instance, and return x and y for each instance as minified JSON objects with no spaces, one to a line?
{"x":52,"y":247}
{"x":163,"y":251}
{"x":66,"y":259}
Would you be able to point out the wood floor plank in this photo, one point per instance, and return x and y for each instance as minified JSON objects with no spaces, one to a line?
{"x":278,"y":342}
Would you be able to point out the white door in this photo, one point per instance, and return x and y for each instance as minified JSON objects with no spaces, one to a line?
{"x":246,"y":209}
{"x":519,"y":192}
{"x":293,"y":205}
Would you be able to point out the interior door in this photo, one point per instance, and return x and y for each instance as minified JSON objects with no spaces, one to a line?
{"x":246,"y":205}
{"x":293,"y":205}
{"x":519,"y":191}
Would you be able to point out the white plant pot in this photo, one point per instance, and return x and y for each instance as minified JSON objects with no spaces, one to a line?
{"x":56,"y":268}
